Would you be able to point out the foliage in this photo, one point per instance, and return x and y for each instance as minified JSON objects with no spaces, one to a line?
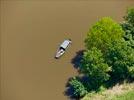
{"x":131,"y":72}
{"x":102,"y":33}
{"x":130,"y":16}
{"x":120,"y":57}
{"x":78,"y":88}
{"x":93,"y":65}
{"x":128,"y":26}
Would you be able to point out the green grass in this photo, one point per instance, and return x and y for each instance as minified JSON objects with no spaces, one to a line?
{"x":127,"y":96}
{"x":119,"y":92}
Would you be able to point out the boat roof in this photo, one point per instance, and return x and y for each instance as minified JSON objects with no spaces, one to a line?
{"x":65,"y":44}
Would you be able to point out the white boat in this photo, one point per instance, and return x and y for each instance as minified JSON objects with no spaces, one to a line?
{"x":63,"y":48}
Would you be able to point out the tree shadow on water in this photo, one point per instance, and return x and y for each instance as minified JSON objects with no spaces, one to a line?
{"x":69,"y":91}
{"x":77,"y":58}
{"x":76,"y":64}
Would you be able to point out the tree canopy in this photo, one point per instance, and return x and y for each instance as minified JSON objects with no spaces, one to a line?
{"x":120,"y":57}
{"x":128,"y":27}
{"x":130,"y":16}
{"x":93,"y":65}
{"x":102,"y":33}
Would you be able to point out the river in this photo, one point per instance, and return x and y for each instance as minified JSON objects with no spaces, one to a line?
{"x":31,"y":31}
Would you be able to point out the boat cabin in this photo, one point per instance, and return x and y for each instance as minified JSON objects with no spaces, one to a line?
{"x":65,"y":44}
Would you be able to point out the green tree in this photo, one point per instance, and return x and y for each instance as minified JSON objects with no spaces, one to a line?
{"x":130,"y":16}
{"x":128,"y":27}
{"x":78,"y":88}
{"x":131,"y":72}
{"x":93,"y":65}
{"x":102,"y":33}
{"x":120,"y":57}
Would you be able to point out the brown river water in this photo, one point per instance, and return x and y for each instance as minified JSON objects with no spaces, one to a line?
{"x":31,"y":31}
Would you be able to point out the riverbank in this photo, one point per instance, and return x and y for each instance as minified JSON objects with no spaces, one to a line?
{"x":124,"y":91}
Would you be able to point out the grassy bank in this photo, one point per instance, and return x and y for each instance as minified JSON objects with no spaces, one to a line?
{"x":127,"y":96}
{"x":118,"y":92}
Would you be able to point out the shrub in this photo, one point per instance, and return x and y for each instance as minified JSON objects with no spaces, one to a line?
{"x":78,"y":88}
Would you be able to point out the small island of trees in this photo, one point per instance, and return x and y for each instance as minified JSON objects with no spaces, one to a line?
{"x":108,"y":58}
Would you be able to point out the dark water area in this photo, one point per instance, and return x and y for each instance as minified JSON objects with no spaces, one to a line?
{"x":31,"y":31}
